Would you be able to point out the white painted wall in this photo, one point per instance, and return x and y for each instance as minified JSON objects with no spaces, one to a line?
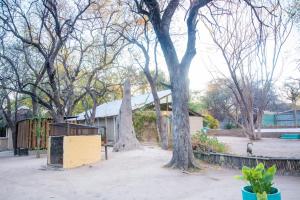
{"x":196,"y":124}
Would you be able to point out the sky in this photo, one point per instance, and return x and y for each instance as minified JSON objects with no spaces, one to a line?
{"x":209,"y":60}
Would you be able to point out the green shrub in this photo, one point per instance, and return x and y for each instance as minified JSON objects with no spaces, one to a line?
{"x":260,"y":179}
{"x":210,"y":121}
{"x":203,"y":142}
{"x":139,"y":119}
{"x":230,"y":125}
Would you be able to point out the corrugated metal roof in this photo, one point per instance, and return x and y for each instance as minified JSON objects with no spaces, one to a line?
{"x":112,"y":108}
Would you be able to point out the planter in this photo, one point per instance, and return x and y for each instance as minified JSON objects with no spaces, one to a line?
{"x":249,"y":195}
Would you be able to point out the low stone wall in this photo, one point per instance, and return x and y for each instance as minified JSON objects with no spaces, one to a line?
{"x":285,"y":166}
{"x":3,"y":144}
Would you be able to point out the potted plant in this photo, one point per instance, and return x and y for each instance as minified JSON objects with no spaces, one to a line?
{"x":260,"y":182}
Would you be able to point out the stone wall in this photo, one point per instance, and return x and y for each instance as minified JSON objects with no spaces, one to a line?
{"x":285,"y":166}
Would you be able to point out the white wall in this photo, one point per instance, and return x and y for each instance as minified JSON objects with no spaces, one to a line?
{"x":10,"y":140}
{"x":196,"y":124}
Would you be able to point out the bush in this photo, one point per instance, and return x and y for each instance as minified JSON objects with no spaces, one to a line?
{"x":203,"y":142}
{"x":139,"y":120}
{"x":210,"y":121}
{"x":230,"y":125}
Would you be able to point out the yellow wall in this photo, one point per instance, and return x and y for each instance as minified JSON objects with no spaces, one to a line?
{"x":81,"y":150}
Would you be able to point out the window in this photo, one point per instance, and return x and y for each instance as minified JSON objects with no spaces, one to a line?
{"x":2,"y":132}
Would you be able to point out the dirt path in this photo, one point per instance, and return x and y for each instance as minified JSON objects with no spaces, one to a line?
{"x":127,"y":176}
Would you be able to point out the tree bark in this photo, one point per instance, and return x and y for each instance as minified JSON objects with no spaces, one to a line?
{"x":161,"y":129}
{"x":34,"y":102}
{"x":295,"y":113}
{"x":57,"y":117}
{"x":183,"y":157}
{"x":126,"y":135}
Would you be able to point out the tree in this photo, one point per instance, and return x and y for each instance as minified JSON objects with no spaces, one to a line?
{"x":160,"y":18}
{"x":140,"y":36}
{"x":161,"y":15}
{"x":292,"y":89}
{"x":219,"y":101}
{"x":9,"y":109}
{"x":45,"y":27}
{"x":126,"y":136}
{"x":244,"y":45}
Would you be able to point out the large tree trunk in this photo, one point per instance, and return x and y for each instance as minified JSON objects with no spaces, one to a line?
{"x":59,"y":112}
{"x":183,"y":157}
{"x":126,"y":136}
{"x":34,"y":101}
{"x":58,"y":117}
{"x":249,"y":125}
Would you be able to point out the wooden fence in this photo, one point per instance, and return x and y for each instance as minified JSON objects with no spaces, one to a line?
{"x":27,"y":133}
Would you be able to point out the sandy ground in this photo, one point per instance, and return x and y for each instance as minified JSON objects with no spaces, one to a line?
{"x":134,"y":175}
{"x":274,"y":147}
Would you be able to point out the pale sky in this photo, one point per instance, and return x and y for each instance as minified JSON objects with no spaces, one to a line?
{"x":208,"y":59}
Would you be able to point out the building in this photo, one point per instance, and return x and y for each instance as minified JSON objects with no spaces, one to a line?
{"x":284,"y":119}
{"x":6,"y":141}
{"x":107,"y":113}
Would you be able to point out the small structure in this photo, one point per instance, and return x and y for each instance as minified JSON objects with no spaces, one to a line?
{"x":106,"y":114}
{"x":6,"y":139}
{"x":27,"y":133}
{"x":73,"y":145}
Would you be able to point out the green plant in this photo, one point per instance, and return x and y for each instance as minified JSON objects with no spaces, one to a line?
{"x":260,"y":179}
{"x":203,"y":142}
{"x":210,"y":121}
{"x":140,"y":118}
{"x":230,"y":125}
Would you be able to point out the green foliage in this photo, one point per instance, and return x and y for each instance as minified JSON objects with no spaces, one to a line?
{"x":260,"y":179}
{"x":203,"y":142}
{"x":197,"y":107}
{"x":210,"y":121}
{"x":230,"y":125}
{"x":139,"y":119}
{"x":263,"y":196}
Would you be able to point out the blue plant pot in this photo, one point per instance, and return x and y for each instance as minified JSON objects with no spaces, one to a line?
{"x":249,"y":195}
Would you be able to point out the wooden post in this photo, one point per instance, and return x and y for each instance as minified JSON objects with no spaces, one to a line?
{"x":105,"y":130}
